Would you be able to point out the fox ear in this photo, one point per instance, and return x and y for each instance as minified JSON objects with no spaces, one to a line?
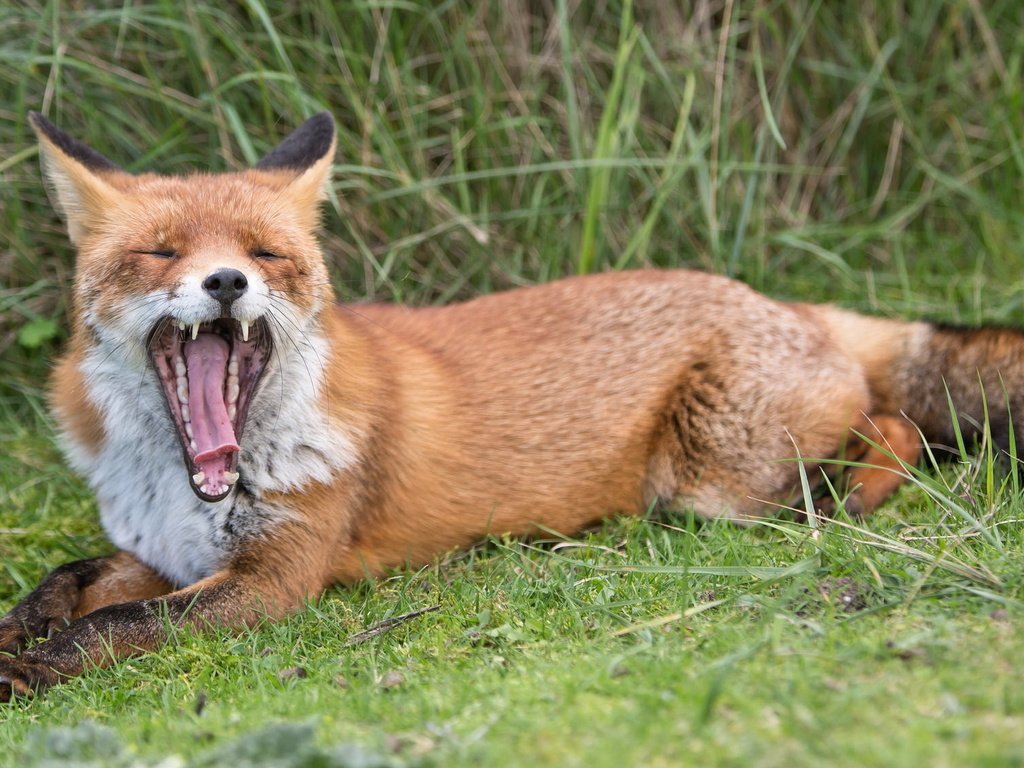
{"x":308,"y":154}
{"x":79,"y":178}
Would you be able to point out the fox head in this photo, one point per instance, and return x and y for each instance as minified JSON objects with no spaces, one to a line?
{"x":200,"y":278}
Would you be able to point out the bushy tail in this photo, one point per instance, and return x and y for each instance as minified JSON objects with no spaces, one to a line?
{"x":918,"y":369}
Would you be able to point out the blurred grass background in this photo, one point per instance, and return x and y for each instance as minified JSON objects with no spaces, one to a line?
{"x":865,"y":153}
{"x":868,"y":153}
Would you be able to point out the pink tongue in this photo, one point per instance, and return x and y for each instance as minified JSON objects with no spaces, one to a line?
{"x":207,"y":360}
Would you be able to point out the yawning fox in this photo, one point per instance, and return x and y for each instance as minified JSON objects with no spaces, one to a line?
{"x":250,"y":442}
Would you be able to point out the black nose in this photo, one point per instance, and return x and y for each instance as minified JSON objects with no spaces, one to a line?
{"x":225,"y":285}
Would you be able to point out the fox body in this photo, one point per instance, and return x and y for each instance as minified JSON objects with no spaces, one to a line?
{"x":250,"y":442}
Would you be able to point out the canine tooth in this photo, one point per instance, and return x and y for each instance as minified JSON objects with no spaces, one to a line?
{"x":231,"y":478}
{"x":198,"y":478}
{"x":186,"y":414}
{"x":245,"y":329}
{"x":195,"y":330}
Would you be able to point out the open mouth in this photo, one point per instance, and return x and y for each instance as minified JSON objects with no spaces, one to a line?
{"x":209,"y":372}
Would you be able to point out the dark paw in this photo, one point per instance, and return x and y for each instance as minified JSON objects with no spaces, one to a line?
{"x":20,"y":627}
{"x":825,"y":507}
{"x":24,"y":679}
{"x":852,"y":505}
{"x":13,"y":635}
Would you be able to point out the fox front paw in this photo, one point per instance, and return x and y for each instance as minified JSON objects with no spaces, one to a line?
{"x":13,"y":635}
{"x":16,"y":632}
{"x":24,"y":679}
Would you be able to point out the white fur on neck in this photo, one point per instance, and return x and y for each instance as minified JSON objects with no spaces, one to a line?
{"x":139,"y":476}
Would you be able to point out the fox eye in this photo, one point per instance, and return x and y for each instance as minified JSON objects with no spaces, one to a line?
{"x":263,"y":253}
{"x":160,"y":253}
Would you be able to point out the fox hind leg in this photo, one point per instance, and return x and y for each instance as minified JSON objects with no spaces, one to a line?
{"x":732,"y":443}
{"x":882,"y":446}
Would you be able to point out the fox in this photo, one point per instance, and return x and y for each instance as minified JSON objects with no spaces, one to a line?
{"x":250,"y":442}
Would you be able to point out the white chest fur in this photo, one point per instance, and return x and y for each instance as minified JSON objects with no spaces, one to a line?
{"x":146,"y":504}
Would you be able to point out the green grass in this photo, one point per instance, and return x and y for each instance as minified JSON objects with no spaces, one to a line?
{"x":867,"y":154}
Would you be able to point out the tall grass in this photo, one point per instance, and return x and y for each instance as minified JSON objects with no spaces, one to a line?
{"x":485,"y":145}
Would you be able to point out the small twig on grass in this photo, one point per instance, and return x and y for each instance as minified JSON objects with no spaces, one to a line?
{"x":381,"y":627}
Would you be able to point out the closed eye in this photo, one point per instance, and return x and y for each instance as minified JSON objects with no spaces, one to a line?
{"x":263,"y":253}
{"x":160,"y":253}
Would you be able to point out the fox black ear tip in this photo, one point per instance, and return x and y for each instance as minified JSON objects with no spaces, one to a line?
{"x":322,"y":122}
{"x":309,"y":143}
{"x":69,"y":146}
{"x":42,"y":126}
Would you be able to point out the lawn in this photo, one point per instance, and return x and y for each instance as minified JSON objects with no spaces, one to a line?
{"x":868,"y":154}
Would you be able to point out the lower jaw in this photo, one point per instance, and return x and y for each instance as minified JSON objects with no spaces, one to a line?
{"x":225,"y":475}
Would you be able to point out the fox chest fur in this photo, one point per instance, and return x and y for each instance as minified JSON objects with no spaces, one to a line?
{"x":132,"y":460}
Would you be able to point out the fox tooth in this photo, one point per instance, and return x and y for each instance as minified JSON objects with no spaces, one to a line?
{"x":230,"y":478}
{"x":198,"y":478}
{"x":195,"y":330}
{"x":245,"y":329}
{"x":181,"y":325}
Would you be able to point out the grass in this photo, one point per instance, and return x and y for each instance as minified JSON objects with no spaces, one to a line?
{"x":869,"y":155}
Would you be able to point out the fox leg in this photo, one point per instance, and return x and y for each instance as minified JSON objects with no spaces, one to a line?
{"x":75,"y":589}
{"x":899,"y":444}
{"x":259,"y":581}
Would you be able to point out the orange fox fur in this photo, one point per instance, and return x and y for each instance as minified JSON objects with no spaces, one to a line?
{"x":355,"y":439}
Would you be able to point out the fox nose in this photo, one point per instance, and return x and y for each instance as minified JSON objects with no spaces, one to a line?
{"x":225,"y":285}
